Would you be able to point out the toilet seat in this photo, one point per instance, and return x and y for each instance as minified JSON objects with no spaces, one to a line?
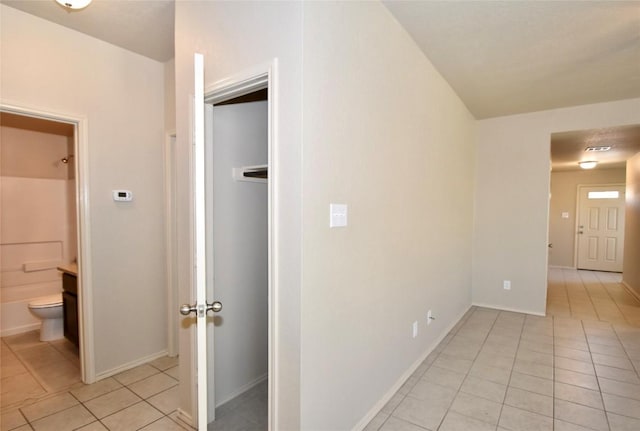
{"x":46,"y":301}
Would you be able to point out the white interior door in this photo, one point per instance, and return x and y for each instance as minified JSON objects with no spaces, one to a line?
{"x":601,"y":227}
{"x":201,"y":307}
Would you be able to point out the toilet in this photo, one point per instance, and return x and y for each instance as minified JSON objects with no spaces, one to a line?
{"x":49,"y":310}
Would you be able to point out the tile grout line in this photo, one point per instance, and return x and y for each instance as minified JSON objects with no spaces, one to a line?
{"x":513,"y":364}
{"x":467,"y":374}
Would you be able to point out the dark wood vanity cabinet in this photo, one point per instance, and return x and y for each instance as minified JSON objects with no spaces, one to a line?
{"x":70,"y":307}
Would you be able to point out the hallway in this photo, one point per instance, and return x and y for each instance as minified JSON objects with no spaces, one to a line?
{"x":575,"y":369}
{"x":590,"y":295}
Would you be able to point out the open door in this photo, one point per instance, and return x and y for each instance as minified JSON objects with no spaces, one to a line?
{"x":201,"y":307}
{"x":239,"y":89}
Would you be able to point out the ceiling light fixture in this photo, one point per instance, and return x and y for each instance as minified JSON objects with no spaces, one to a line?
{"x":74,"y":4}
{"x":598,"y":149}
{"x":588,"y":164}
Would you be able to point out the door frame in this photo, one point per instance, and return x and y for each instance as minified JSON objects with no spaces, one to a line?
{"x":171,"y":258}
{"x":83,"y":217}
{"x":260,"y":76}
{"x":576,"y":227}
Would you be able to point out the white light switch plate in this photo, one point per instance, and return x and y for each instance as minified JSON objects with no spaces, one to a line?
{"x":337,"y":215}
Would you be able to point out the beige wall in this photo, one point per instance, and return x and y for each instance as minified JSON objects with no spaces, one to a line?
{"x":170,"y":96}
{"x":121,"y":94}
{"x":385,"y":134}
{"x":631,"y":264}
{"x":564,"y":189}
{"x":512,"y":199}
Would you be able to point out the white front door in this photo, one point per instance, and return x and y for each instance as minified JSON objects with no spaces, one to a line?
{"x":601,"y":227}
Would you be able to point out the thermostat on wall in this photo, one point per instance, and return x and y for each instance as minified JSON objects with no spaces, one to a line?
{"x":122,"y":195}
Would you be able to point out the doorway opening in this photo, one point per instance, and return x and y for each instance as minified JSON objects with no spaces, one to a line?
{"x":238,"y":239}
{"x":586,"y":228}
{"x":610,"y":147}
{"x":43,"y":220}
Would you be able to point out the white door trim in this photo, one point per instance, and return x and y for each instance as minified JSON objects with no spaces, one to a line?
{"x":260,"y":77}
{"x":577,"y":225}
{"x":170,"y":241}
{"x":85,"y":292}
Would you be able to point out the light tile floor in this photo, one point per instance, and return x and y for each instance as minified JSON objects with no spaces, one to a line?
{"x":590,"y":295}
{"x":41,"y":390}
{"x":576,"y":369}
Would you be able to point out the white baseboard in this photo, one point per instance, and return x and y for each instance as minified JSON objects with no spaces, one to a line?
{"x":631,"y":290}
{"x":243,"y":389}
{"x":403,"y":378}
{"x":515,"y":310}
{"x":185,"y":418}
{"x":129,"y":365}
{"x":562,"y":267}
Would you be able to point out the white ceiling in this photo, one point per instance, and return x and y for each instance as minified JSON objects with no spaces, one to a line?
{"x":509,"y":57}
{"x":501,"y":57}
{"x":142,"y":26}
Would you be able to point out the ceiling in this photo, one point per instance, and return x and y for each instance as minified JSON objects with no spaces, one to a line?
{"x":568,"y":148}
{"x":142,"y":26}
{"x":34,"y":124}
{"x":501,"y":57}
{"x":509,"y":57}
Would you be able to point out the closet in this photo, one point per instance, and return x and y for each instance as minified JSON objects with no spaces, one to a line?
{"x":237,"y":197}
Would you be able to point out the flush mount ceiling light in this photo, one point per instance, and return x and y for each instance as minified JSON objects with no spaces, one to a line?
{"x":74,"y":4}
{"x":588,"y":164}
{"x":598,"y":149}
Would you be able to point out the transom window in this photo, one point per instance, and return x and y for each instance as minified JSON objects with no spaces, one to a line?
{"x":611,"y":194}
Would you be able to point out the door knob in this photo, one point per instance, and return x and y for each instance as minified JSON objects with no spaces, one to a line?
{"x":215,"y":306}
{"x":185,"y":309}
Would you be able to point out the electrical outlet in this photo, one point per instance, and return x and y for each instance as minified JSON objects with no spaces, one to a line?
{"x":429,"y":318}
{"x":506,"y":284}
{"x":415,"y":329}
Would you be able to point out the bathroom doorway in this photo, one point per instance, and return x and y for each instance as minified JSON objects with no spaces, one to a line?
{"x":43,"y":220}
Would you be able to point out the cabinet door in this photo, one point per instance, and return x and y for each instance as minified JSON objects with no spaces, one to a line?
{"x":70,"y":308}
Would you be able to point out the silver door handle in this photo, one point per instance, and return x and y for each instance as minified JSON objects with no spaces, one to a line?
{"x":215,"y":306}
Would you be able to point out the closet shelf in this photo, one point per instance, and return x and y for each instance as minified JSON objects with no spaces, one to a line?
{"x":258,"y":173}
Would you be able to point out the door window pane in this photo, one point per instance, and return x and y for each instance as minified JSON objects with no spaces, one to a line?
{"x":613,"y":194}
